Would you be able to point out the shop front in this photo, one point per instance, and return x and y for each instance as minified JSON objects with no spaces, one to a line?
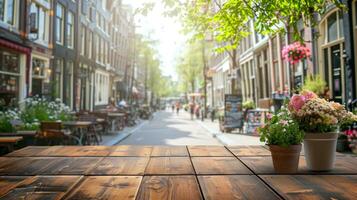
{"x":13,"y":73}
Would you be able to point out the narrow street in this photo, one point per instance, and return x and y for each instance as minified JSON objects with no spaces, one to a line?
{"x":169,"y":129}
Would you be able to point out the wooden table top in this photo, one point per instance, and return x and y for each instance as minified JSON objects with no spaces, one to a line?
{"x":166,"y":172}
{"x":77,"y":123}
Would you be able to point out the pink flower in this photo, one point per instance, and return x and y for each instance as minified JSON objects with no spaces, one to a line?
{"x":308,"y":95}
{"x":284,"y":122}
{"x":269,"y":116}
{"x":297,"y":101}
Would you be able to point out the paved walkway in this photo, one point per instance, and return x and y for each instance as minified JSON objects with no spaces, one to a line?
{"x":167,"y":128}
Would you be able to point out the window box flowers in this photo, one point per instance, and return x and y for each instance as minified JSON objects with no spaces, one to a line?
{"x":320,"y":120}
{"x":284,"y":137}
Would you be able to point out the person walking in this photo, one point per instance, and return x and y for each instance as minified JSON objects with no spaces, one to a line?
{"x":177,"y":108}
{"x":192,"y":110}
{"x":173,"y":107}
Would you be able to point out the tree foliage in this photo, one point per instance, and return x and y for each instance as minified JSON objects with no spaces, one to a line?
{"x":227,"y":22}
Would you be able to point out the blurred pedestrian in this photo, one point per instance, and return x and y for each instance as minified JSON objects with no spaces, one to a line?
{"x":178,"y":108}
{"x":192,"y":110}
{"x":173,"y":107}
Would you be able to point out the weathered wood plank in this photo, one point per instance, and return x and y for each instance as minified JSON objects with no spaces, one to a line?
{"x":314,"y":186}
{"x":27,"y":151}
{"x":264,"y":165}
{"x":9,"y":182}
{"x":169,"y":151}
{"x":77,"y":151}
{"x":169,"y":187}
{"x":209,"y":151}
{"x":169,"y":165}
{"x":70,"y":166}
{"x":249,"y":151}
{"x":121,"y":166}
{"x":234,"y":187}
{"x":107,"y":187}
{"x":43,"y":187}
{"x":22,"y":166}
{"x":219,"y":165}
{"x":127,"y":150}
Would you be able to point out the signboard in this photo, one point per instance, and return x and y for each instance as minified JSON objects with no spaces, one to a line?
{"x":233,"y":111}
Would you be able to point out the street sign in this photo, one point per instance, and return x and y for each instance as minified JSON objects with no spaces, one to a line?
{"x":233,"y":111}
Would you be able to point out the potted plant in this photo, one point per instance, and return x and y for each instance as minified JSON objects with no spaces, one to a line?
{"x":284,"y":137}
{"x":320,"y":120}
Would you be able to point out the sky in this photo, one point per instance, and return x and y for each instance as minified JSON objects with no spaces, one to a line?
{"x":164,"y":30}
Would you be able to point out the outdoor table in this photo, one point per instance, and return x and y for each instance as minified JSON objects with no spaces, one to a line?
{"x":114,"y":119}
{"x":166,"y":172}
{"x":81,"y":126}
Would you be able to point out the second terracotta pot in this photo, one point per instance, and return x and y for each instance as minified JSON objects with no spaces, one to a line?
{"x":285,"y":159}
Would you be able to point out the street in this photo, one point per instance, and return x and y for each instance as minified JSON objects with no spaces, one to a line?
{"x":169,"y":129}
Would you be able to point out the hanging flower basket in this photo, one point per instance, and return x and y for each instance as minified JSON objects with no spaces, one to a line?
{"x":294,"y":53}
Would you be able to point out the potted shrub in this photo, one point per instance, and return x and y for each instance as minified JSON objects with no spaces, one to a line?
{"x":320,"y":120}
{"x":284,"y":137}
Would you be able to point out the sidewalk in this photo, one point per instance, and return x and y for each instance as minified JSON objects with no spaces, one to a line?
{"x":112,"y":139}
{"x":228,"y":138}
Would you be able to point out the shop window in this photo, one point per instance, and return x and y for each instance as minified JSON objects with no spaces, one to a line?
{"x":9,"y":78}
{"x":38,"y":67}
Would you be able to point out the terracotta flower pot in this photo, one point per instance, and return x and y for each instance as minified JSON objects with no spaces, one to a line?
{"x":285,"y":159}
{"x":320,"y":150}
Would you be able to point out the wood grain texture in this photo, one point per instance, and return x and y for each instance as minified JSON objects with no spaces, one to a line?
{"x":249,"y":151}
{"x":121,"y":166}
{"x":231,"y":187}
{"x":9,"y":182}
{"x":264,"y":165}
{"x":27,"y":151}
{"x":169,"y":165}
{"x":219,"y":165}
{"x":169,"y":151}
{"x":314,"y":186}
{"x":22,"y":166}
{"x":127,"y":150}
{"x":77,"y":151}
{"x":43,"y":187}
{"x":70,"y":166}
{"x":107,"y":187}
{"x":209,"y":151}
{"x":169,"y":187}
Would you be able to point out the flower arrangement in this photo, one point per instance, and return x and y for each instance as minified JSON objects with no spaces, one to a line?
{"x":317,"y":115}
{"x":34,"y":111}
{"x":352,"y":139}
{"x":295,"y":52}
{"x":281,"y":129}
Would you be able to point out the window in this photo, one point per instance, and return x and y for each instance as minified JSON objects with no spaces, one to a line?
{"x":90,"y":45}
{"x":68,"y":79}
{"x":59,"y":23}
{"x":333,"y":52}
{"x":83,"y":40}
{"x":41,"y":22}
{"x":7,"y":11}
{"x":276,"y":63}
{"x":58,"y":78}
{"x":70,"y":30}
